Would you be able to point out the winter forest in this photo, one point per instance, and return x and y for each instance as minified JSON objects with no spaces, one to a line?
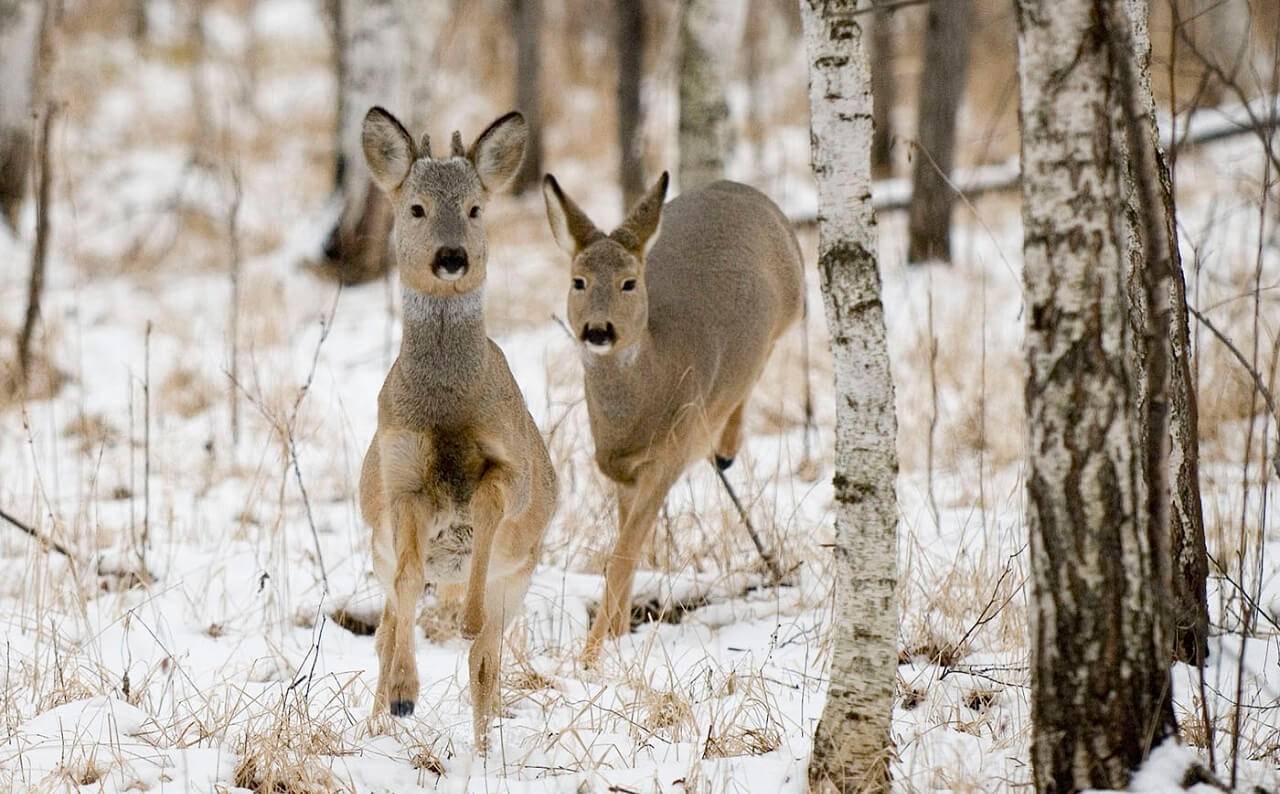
{"x":639,"y":395}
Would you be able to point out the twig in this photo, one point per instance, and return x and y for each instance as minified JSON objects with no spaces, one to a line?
{"x":751,"y":530}
{"x":44,"y":540}
{"x":146,"y":449}
{"x":1267,"y":397}
{"x":39,"y":252}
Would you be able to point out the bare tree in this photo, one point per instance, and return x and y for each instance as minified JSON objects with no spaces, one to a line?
{"x":373,"y":66}
{"x":629,"y":38}
{"x":852,"y":746}
{"x":883,"y":93}
{"x":19,"y":39}
{"x":710,"y":32}
{"x":527,"y":21}
{"x":1099,"y":672}
{"x":946,"y":59}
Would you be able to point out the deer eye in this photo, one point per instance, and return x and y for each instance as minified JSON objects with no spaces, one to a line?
{"x":628,"y":285}
{"x":475,"y":211}
{"x":417,"y":211}
{"x":579,"y":283}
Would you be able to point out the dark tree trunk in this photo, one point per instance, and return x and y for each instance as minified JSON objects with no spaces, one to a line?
{"x":946,"y":59}
{"x":882,"y":94}
{"x":629,"y":39}
{"x":1100,"y":678}
{"x":19,"y":35}
{"x":528,"y":27}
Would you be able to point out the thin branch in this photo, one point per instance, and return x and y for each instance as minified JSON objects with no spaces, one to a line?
{"x":43,"y":539}
{"x":751,"y":530}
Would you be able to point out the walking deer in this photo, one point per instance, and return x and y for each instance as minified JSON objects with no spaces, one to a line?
{"x":675,"y":329}
{"x":457,"y":485}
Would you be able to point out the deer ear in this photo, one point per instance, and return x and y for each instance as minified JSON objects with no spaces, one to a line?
{"x":499,"y":151}
{"x":570,"y":226}
{"x":387,"y":148}
{"x":638,"y":232}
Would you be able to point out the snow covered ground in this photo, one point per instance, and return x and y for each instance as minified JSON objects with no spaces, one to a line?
{"x":241,"y":657}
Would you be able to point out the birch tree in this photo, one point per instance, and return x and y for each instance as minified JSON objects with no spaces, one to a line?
{"x":710,"y":31}
{"x":528,"y":33}
{"x":19,"y":39}
{"x":386,"y":58}
{"x":852,"y":745}
{"x":629,"y":37}
{"x":1099,"y":655}
{"x":946,"y":60}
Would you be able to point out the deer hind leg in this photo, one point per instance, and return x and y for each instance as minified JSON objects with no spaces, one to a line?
{"x":503,"y":598}
{"x":383,"y":643}
{"x":486,"y":513}
{"x":730,"y":438}
{"x":641,"y":512}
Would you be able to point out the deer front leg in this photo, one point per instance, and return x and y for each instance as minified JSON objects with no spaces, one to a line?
{"x":640,"y":509}
{"x":505,"y":597}
{"x":400,"y":671}
{"x":488,"y":506}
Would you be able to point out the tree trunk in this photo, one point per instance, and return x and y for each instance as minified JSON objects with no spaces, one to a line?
{"x":946,"y":59}
{"x":528,"y":29}
{"x":882,"y":94}
{"x":1171,"y":437}
{"x":629,"y":38}
{"x":374,"y":66}
{"x":710,"y":31}
{"x":19,"y":39}
{"x":1099,"y":656}
{"x":852,"y":746}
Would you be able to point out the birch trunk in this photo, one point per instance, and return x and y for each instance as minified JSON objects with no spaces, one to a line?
{"x":374,"y":69}
{"x":528,"y":30}
{"x":1170,"y":434}
{"x":852,"y":746}
{"x":946,"y":59}
{"x":710,"y":31}
{"x":1099,"y":656}
{"x":629,"y":38}
{"x":19,"y":39}
{"x":883,"y":93}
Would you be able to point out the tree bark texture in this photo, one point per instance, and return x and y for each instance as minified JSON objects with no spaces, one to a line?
{"x":1162,"y":355}
{"x":946,"y":60}
{"x":883,"y":93}
{"x":528,"y":33}
{"x":19,"y":41}
{"x":710,"y":32}
{"x":629,"y":38}
{"x":852,"y":747}
{"x":1099,"y":652}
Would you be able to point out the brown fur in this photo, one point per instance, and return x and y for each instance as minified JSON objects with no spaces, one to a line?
{"x":723,"y":280}
{"x":457,"y":484}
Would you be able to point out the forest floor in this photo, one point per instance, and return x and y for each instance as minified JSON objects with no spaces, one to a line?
{"x":213,"y":630}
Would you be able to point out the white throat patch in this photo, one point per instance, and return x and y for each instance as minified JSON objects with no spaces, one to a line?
{"x":420,"y":307}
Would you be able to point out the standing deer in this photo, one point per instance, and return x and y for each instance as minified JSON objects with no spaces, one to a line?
{"x":675,"y":333}
{"x":457,"y":484}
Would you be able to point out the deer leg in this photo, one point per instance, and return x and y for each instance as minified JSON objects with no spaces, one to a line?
{"x":730,"y":438}
{"x":504,"y":597}
{"x":613,"y":616}
{"x":487,"y":507}
{"x":401,"y":672}
{"x":383,"y":642}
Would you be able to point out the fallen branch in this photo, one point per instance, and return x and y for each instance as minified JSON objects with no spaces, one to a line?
{"x":44,"y":540}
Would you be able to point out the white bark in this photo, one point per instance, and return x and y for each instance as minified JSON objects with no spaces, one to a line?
{"x":710,"y":32}
{"x":19,"y":40}
{"x":852,"y":745}
{"x":1100,"y":678}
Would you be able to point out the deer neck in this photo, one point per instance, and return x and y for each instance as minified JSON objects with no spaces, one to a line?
{"x":444,"y":338}
{"x":616,"y":385}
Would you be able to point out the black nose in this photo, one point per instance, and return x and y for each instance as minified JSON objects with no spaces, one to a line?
{"x":598,"y":334}
{"x":450,"y":262}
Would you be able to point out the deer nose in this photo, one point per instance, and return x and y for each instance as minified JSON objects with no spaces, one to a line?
{"x":450,"y":263}
{"x":601,"y":336}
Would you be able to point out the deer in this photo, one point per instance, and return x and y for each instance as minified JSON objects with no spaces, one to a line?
{"x":675,"y":327}
{"x":457,"y":485}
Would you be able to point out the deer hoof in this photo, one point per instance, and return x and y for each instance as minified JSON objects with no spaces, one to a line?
{"x":723,"y":463}
{"x":402,"y":708}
